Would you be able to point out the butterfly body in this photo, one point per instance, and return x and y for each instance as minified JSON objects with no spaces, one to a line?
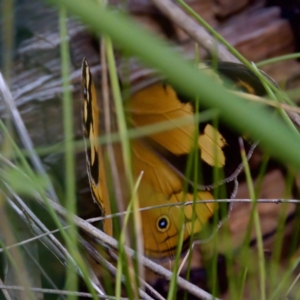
{"x":162,"y":159}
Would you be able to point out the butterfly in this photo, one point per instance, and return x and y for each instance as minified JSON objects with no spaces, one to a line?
{"x":185,"y":162}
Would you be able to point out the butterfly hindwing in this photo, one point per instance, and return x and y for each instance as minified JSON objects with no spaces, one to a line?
{"x":162,"y":186}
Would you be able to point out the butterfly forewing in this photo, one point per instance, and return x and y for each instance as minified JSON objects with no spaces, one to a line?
{"x":96,"y":174}
{"x":216,"y":147}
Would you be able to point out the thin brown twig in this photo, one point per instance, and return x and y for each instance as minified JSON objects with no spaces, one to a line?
{"x":288,"y":108}
{"x":270,"y":201}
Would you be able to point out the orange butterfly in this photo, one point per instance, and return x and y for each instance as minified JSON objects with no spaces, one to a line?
{"x":165,"y":159}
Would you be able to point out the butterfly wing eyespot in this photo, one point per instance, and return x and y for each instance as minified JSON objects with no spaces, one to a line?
{"x":163,"y":223}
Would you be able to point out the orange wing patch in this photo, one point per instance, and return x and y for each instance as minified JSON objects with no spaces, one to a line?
{"x":211,"y":144}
